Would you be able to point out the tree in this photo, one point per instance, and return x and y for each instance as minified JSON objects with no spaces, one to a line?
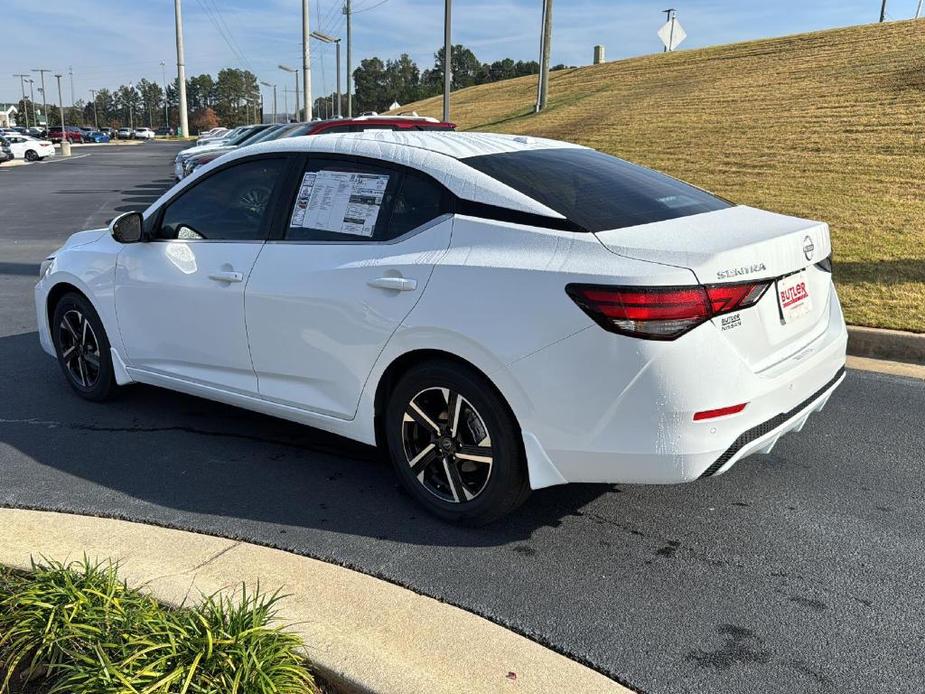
{"x":128,"y":103}
{"x":402,"y":80}
{"x":152,"y":99}
{"x":203,"y":119}
{"x":371,"y":84}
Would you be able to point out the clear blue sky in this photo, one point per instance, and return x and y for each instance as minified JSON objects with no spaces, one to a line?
{"x":111,"y":42}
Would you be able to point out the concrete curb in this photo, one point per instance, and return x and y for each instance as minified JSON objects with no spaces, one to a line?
{"x":892,"y":345}
{"x":362,"y":634}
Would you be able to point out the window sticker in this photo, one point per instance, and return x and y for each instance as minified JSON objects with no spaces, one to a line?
{"x":340,"y":201}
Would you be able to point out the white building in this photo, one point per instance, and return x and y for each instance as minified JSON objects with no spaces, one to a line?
{"x":8,"y":115}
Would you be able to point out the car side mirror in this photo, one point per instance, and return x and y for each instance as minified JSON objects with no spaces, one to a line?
{"x":127,"y":227}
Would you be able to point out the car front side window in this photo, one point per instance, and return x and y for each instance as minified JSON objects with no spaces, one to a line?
{"x":233,"y":204}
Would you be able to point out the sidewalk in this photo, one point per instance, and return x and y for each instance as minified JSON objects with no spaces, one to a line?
{"x":362,"y":634}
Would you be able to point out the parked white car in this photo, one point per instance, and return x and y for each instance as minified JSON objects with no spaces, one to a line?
{"x":124,"y":133}
{"x":144,"y":134}
{"x":30,"y":148}
{"x":499,"y":313}
{"x":211,"y":135}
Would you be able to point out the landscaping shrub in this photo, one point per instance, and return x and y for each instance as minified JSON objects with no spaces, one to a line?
{"x":78,"y":629}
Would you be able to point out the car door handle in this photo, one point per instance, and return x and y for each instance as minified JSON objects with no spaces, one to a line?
{"x":227,"y":276}
{"x":399,"y":284}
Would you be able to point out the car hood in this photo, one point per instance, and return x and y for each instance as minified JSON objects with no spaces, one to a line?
{"x":193,"y":151}
{"x":82,"y":238}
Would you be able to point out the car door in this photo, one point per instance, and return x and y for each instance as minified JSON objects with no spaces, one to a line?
{"x":357,"y":247}
{"x":180,"y":297}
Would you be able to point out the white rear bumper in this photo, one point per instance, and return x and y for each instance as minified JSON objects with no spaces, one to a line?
{"x":599,"y":407}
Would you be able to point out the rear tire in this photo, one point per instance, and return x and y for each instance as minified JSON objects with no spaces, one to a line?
{"x":455,"y":444}
{"x":31,"y":155}
{"x":82,"y":348}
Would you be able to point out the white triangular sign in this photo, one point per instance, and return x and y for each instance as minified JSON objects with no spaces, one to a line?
{"x":672,"y":37}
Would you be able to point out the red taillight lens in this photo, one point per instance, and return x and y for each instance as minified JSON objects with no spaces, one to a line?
{"x":662,"y":313}
{"x":721,"y":412}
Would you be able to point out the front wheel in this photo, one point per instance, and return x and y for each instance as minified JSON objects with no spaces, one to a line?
{"x":82,"y":348}
{"x":455,"y":444}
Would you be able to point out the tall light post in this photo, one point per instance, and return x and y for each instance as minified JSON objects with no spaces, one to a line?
{"x":65,"y":143}
{"x":42,"y":71}
{"x":164,"y":79}
{"x":31,"y":82}
{"x":324,"y":38}
{"x":267,"y":84}
{"x":131,"y":116}
{"x":349,"y":13}
{"x":447,"y":58}
{"x":181,"y":70}
{"x":306,"y":62}
{"x":286,"y":68}
{"x":96,"y":119}
{"x":22,"y":85}
{"x":545,"y":49}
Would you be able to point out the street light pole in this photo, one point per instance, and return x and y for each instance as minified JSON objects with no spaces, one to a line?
{"x":96,"y":120}
{"x":42,"y":72}
{"x":306,"y":62}
{"x":349,"y":14}
{"x":325,"y":38}
{"x":267,"y":84}
{"x":35,"y":123}
{"x":181,"y":70}
{"x":447,"y":58}
{"x":65,"y":143}
{"x":286,"y":68}
{"x":22,"y":85}
{"x":131,"y":116}
{"x":164,"y":80}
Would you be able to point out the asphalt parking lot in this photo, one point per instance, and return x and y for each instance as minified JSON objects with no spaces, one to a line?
{"x":801,"y":571}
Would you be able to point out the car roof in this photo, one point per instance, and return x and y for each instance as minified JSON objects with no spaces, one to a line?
{"x":437,"y":154}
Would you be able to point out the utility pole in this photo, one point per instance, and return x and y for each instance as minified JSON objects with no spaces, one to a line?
{"x":181,"y":70}
{"x":306,"y":62}
{"x":349,"y":14}
{"x":545,"y":49}
{"x":70,"y":72}
{"x":42,"y":71}
{"x":286,"y":68}
{"x":447,"y":57}
{"x":267,"y":84}
{"x":22,"y":85}
{"x":96,"y":119}
{"x":918,"y":10}
{"x":164,"y":79}
{"x":883,"y":12}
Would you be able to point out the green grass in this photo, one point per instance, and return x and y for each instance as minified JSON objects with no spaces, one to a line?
{"x":827,"y":125}
{"x":78,"y":629}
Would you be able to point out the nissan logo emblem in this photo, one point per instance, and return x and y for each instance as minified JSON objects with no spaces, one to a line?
{"x":808,"y":248}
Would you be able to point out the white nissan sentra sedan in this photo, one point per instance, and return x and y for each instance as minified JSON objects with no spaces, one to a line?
{"x":499,"y":313}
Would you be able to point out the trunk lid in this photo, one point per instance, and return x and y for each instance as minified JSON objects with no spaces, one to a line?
{"x":743,"y":244}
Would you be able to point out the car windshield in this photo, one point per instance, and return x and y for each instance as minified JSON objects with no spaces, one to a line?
{"x":240,"y":137}
{"x":268,"y":134}
{"x":594,"y":190}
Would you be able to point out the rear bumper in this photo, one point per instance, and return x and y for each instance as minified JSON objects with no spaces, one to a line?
{"x":599,"y":407}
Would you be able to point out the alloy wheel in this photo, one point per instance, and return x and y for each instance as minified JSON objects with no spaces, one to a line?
{"x":447,"y":445}
{"x":79,"y":348}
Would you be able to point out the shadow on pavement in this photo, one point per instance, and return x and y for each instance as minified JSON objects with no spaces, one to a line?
{"x":165,"y":449}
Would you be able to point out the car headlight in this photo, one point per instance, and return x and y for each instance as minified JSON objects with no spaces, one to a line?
{"x":45,"y":267}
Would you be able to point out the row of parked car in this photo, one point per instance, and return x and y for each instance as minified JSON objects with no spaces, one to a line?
{"x":34,"y":144}
{"x":218,"y":141}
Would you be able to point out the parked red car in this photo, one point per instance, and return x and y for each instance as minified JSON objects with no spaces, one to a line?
{"x":72,"y":133}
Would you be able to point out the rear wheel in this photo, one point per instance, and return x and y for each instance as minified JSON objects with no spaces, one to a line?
{"x":82,"y":348}
{"x":31,"y":155}
{"x":455,"y":444}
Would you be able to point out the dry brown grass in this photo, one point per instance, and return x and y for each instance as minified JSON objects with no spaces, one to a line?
{"x":828,"y":125}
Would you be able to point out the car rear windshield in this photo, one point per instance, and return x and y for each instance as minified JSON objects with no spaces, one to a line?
{"x":594,"y":190}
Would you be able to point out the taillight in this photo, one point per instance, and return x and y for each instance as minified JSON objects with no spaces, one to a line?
{"x":662,"y":313}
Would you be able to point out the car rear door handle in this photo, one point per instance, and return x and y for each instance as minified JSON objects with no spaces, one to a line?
{"x":227,"y":276}
{"x":398,"y":284}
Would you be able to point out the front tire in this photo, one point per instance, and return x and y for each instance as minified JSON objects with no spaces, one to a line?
{"x":455,"y":444}
{"x":82,"y":348}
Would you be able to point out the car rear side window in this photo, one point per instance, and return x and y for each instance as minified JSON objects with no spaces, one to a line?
{"x":230,"y":205}
{"x":594,"y":190}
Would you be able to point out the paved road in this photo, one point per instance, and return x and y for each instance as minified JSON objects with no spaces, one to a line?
{"x":797,"y":572}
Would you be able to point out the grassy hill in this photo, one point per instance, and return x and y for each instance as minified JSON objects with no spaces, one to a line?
{"x":827,"y":125}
